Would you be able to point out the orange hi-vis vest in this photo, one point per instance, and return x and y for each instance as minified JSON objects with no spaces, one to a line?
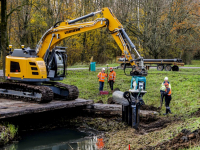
{"x":170,"y":92}
{"x":101,"y":76}
{"x":112,"y":76}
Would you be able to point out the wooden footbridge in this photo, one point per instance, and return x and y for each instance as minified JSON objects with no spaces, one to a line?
{"x":13,"y":108}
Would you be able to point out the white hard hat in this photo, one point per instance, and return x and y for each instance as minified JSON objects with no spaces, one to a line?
{"x":166,"y":78}
{"x":103,"y":69}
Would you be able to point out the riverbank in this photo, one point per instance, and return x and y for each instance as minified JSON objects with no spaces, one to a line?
{"x":8,"y":133}
{"x":153,"y":130}
{"x":70,"y":119}
{"x":94,"y":121}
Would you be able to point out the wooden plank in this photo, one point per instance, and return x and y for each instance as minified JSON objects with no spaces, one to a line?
{"x":115,"y":109}
{"x":11,"y":108}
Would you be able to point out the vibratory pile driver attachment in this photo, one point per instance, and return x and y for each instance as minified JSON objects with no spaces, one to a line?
{"x":131,"y":101}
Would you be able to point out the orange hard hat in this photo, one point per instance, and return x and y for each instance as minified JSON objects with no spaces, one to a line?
{"x":111,"y":67}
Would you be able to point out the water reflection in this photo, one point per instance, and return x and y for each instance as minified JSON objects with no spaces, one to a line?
{"x":59,"y":139}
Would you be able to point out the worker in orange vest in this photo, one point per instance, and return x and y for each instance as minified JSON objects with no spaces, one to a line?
{"x":101,"y":75}
{"x":168,"y":98}
{"x":111,"y":78}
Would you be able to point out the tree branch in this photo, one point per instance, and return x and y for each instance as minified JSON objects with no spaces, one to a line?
{"x":18,"y":8}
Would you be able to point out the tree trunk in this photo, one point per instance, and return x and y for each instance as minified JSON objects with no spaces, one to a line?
{"x":4,"y":41}
{"x":0,"y":44}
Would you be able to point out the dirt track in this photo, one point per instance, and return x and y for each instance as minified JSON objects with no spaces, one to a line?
{"x":152,"y":123}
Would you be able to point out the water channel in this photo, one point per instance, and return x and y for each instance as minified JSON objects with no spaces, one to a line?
{"x":57,"y":139}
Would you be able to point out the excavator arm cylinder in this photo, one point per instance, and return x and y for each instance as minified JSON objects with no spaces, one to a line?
{"x":83,"y":17}
{"x":129,"y":41}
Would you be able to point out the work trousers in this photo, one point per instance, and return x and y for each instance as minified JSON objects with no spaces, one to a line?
{"x":167,"y":100}
{"x":101,"y":84}
{"x":162,"y":95}
{"x":111,"y":82}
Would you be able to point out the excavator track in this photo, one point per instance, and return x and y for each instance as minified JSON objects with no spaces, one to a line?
{"x":36,"y":93}
{"x":26,"y":92}
{"x":72,"y":90}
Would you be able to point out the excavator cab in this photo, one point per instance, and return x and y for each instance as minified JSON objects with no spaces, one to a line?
{"x":24,"y":65}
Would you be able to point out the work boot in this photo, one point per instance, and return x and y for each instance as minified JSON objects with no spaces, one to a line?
{"x":167,"y":111}
{"x":170,"y":111}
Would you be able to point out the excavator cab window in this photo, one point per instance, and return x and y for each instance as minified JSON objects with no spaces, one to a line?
{"x":14,"y":66}
{"x":60,"y":64}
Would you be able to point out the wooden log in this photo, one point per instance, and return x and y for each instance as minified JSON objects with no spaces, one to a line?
{"x":113,"y":109}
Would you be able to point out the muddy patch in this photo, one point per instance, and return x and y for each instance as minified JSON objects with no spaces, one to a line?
{"x":149,"y":107}
{"x":185,"y":139}
{"x":100,"y":124}
{"x":152,"y":122}
{"x":153,"y":125}
{"x":110,"y":101}
{"x":197,"y":113}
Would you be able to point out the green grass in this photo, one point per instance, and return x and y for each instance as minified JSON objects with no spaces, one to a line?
{"x":88,"y":84}
{"x":194,"y":148}
{"x":185,"y":87}
{"x":194,"y":63}
{"x":79,"y":66}
{"x":8,"y":133}
{"x":86,"y":65}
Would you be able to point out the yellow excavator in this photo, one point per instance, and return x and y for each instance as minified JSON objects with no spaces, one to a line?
{"x":33,"y":72}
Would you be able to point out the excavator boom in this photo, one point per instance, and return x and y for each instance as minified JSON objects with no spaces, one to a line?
{"x":67,"y":29}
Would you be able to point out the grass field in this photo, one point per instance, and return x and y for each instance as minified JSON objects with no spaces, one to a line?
{"x":194,"y":63}
{"x":79,"y":65}
{"x":185,"y":100}
{"x":185,"y":87}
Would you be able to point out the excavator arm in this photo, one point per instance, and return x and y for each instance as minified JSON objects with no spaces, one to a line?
{"x":62,"y":30}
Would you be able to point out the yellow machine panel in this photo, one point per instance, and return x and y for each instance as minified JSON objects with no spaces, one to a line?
{"x":25,"y":68}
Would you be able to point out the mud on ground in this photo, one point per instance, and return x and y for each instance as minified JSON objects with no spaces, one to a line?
{"x":152,"y":126}
{"x":149,"y":107}
{"x":185,"y":139}
{"x":197,"y":113}
{"x":122,"y":138}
